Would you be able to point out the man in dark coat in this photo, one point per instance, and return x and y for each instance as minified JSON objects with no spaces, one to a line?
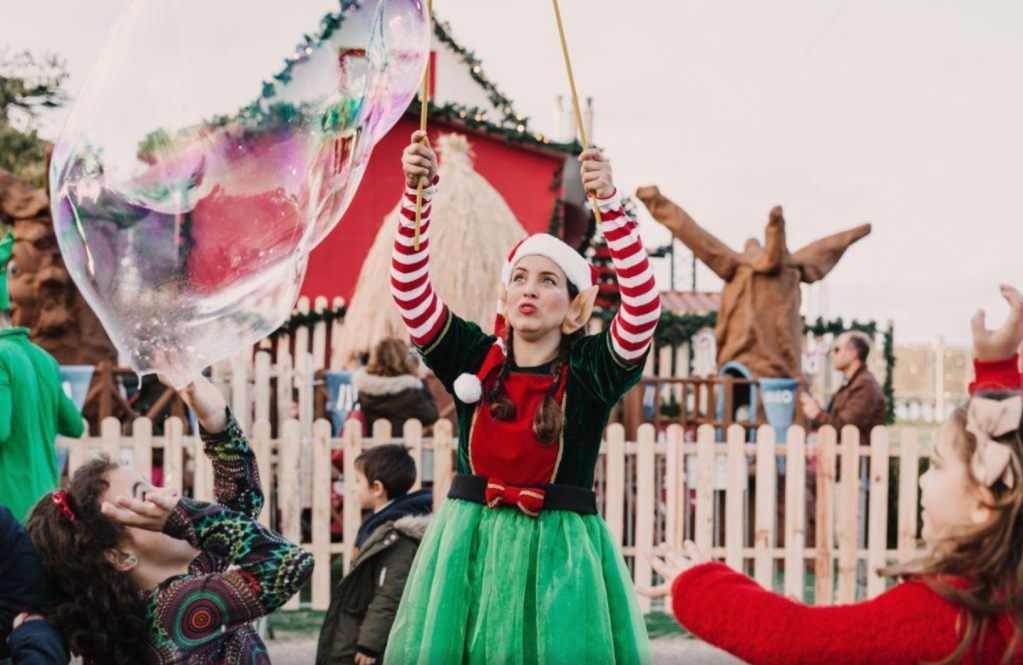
{"x":365,"y":602}
{"x":861,"y":401}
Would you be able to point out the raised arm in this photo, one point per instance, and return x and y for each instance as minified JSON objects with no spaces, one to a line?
{"x":449,"y":344}
{"x":235,"y":472}
{"x":265,"y":571}
{"x":69,"y":420}
{"x":996,"y":352}
{"x":908,"y":624}
{"x":770,"y":259}
{"x":818,"y":258}
{"x":632,"y":330}
{"x":608,"y":365}
{"x":715,"y":254}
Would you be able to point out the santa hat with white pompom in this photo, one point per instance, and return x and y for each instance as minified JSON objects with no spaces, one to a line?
{"x":579,"y":271}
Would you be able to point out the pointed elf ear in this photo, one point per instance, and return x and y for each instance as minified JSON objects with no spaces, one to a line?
{"x":580,"y":310}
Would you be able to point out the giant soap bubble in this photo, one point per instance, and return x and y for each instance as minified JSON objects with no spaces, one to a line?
{"x":214,"y":145}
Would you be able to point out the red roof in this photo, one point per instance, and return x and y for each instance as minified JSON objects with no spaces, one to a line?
{"x":690,"y":302}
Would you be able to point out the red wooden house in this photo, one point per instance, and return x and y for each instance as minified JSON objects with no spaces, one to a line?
{"x":536,"y":175}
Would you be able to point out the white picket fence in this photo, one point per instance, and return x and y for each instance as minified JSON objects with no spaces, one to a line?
{"x":642,"y":487}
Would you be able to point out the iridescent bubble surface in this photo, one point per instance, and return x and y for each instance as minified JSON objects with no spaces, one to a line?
{"x":214,"y":145}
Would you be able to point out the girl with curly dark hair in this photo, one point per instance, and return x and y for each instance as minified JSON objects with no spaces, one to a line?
{"x":143,"y":576}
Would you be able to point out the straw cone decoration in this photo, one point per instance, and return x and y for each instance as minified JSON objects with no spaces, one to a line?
{"x":471,"y":231}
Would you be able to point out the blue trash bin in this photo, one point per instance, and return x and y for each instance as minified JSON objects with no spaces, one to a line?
{"x":779,"y":397}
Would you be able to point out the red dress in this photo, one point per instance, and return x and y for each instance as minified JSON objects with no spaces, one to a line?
{"x":908,"y":624}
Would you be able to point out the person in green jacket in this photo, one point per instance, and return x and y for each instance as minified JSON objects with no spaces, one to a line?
{"x":33,"y":409}
{"x":364,"y":604}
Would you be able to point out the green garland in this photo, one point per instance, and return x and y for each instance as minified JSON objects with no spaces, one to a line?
{"x":513,"y":126}
{"x":308,"y":320}
{"x":442,"y":30}
{"x":476,"y":118}
{"x":889,"y":378}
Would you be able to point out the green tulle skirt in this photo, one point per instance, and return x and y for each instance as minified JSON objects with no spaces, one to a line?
{"x":496,"y":587}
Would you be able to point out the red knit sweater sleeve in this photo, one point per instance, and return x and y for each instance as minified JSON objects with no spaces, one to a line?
{"x":423,"y":312}
{"x":997,"y":375}
{"x":908,"y":624}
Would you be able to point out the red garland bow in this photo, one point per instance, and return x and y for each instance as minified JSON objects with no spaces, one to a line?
{"x":527,"y":499}
{"x":60,"y":498}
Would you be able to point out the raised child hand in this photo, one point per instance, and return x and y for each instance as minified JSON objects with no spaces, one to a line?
{"x":1003,"y":342}
{"x":669,"y":563}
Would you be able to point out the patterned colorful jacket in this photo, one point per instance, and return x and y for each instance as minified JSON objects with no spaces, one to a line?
{"x":244,"y":571}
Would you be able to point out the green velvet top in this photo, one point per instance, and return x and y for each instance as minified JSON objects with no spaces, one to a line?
{"x":597,"y":379}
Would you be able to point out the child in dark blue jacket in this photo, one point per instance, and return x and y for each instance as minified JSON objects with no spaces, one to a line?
{"x":24,"y":588}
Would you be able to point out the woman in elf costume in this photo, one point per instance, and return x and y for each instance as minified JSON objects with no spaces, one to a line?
{"x":517,"y":566}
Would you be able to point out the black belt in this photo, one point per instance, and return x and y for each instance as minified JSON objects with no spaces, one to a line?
{"x":556,"y":497}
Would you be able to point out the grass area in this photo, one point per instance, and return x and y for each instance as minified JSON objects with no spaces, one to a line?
{"x":305,"y":624}
{"x":661,"y":625}
{"x":298,"y":625}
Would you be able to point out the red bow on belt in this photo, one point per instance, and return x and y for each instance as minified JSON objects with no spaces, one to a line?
{"x":527,"y":499}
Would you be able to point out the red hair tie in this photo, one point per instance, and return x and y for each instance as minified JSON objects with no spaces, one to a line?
{"x":60,"y":498}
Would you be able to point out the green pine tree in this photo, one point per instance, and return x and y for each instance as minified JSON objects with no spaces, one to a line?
{"x":28,"y":86}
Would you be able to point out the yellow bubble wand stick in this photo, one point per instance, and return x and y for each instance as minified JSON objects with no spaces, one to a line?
{"x":425,"y":99}
{"x":575,"y":98}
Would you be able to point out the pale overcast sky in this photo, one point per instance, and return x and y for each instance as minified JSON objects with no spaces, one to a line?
{"x":904,"y":113}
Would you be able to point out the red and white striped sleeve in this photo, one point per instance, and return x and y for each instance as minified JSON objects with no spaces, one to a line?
{"x":423,"y":312}
{"x":632,"y":330}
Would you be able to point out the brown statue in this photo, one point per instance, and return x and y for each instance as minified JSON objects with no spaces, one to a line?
{"x":43,"y":297}
{"x":759,"y":324}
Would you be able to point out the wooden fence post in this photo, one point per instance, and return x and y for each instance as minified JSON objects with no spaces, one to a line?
{"x":142,"y":447}
{"x":909,"y":473}
{"x":261,"y":448}
{"x":735,"y":498}
{"x":289,"y":490}
{"x":614,"y":470}
{"x":646,"y":511}
{"x":352,"y":513}
{"x":766,"y":511}
{"x":174,"y":455}
{"x":824,"y":587}
{"x":795,"y":513}
{"x":706,"y":449}
{"x":320,"y":335}
{"x":847,"y":513}
{"x":321,"y":514}
{"x":877,"y":533}
{"x":443,"y":461}
{"x":240,"y":389}
{"x":412,"y":432}
{"x":261,"y":389}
